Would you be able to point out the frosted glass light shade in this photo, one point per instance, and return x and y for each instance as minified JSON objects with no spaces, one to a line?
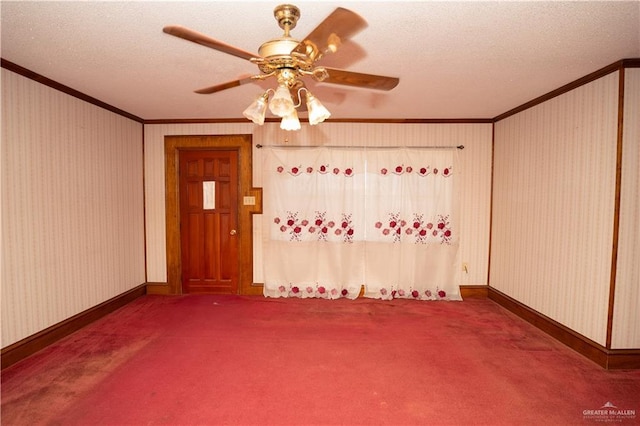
{"x":317,"y":112}
{"x":290,"y":122}
{"x":257,"y":110}
{"x":281,"y":104}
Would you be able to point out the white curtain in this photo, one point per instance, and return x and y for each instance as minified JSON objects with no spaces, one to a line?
{"x":337,"y":219}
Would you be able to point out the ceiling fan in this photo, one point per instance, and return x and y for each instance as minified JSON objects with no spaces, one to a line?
{"x":289,"y":61}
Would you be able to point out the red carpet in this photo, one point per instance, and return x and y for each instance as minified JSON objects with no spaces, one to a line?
{"x":216,"y":360}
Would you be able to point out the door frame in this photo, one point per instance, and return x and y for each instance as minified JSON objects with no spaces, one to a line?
{"x":241,"y":143}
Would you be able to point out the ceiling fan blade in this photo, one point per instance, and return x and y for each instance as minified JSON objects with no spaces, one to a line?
{"x":338,"y":27}
{"x":350,"y":78}
{"x":224,"y":86}
{"x":196,"y":37}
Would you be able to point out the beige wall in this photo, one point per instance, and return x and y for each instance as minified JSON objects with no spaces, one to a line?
{"x":474,"y":169}
{"x":72,"y":202}
{"x":553,"y":206}
{"x":72,"y":206}
{"x":626,"y":313}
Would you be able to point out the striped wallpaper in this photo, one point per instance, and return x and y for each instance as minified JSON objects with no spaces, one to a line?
{"x":475,"y":176}
{"x":553,"y":206}
{"x":626,"y":314}
{"x":72,"y":206}
{"x":72,"y":202}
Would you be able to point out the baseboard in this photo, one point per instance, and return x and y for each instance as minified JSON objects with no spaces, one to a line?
{"x":158,"y":288}
{"x":474,"y":291}
{"x":164,"y":289}
{"x":36,"y":342}
{"x":611,"y":359}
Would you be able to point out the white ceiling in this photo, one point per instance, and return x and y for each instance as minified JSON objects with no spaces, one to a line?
{"x":455,"y":60}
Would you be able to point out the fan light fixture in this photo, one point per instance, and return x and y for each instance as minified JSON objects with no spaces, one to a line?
{"x":290,"y":122}
{"x":317,"y":112}
{"x":257,"y":110}
{"x":282,"y":105}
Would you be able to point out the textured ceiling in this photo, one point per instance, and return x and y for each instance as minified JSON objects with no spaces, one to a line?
{"x":454,"y":59}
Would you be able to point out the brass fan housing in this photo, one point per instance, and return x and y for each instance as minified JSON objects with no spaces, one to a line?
{"x":276,"y":53}
{"x":278,"y":48}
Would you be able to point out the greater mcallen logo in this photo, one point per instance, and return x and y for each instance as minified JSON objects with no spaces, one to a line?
{"x":609,"y":413}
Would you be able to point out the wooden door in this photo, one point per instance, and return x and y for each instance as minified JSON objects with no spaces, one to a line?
{"x":208,"y":221}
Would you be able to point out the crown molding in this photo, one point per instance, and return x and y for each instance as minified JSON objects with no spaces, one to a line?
{"x":616,"y":66}
{"x":8,"y":65}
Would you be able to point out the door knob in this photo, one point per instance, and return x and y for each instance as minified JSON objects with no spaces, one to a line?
{"x":233,"y":232}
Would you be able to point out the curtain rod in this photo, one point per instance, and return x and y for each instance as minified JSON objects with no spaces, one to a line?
{"x":361,"y":147}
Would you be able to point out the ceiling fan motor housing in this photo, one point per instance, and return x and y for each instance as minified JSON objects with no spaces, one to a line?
{"x":278,"y":48}
{"x":277,"y":54}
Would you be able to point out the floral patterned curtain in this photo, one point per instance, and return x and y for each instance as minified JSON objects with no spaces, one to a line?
{"x":337,"y":219}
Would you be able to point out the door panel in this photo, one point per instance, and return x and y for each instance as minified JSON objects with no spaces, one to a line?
{"x":209,"y":248}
